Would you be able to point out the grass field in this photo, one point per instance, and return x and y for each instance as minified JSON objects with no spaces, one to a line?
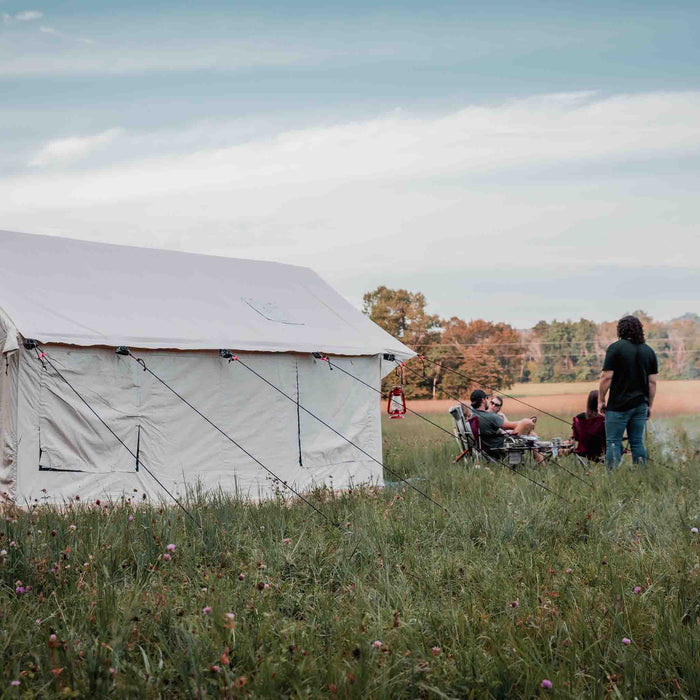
{"x":593,"y":589}
{"x":673,"y":398}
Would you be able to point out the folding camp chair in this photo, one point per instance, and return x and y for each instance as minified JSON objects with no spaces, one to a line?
{"x":466,"y":431}
{"x":589,"y":434}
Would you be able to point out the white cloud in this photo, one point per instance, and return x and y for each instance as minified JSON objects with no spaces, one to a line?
{"x":62,"y":150}
{"x":54,"y":32}
{"x":28,"y":15}
{"x":398,"y":148}
{"x":466,"y":189}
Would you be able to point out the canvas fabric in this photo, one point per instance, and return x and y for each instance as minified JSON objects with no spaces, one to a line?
{"x":64,"y":450}
{"x":8,"y":408}
{"x":58,"y":290}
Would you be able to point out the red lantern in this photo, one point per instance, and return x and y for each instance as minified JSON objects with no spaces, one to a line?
{"x":396,"y":407}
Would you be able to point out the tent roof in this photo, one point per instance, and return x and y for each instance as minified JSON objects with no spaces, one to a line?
{"x":59,"y":290}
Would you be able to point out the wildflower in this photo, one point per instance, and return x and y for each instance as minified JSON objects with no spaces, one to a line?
{"x":286,"y":540}
{"x":206,"y":610}
{"x":20,"y":590}
{"x":131,"y":517}
{"x":241,"y":576}
{"x":694,"y":530}
{"x":546,"y":684}
{"x":332,"y":688}
{"x":170,"y":548}
{"x":569,"y":571}
{"x":626,"y":640}
{"x":436,"y":651}
{"x":215,"y":669}
{"x":38,"y":621}
{"x":377,"y":644}
{"x":514,"y":603}
{"x":166,"y":557}
{"x":72,"y":528}
{"x":13,"y":544}
{"x":637,"y":590}
{"x":3,"y":552}
{"x":14,"y":684}
{"x":112,"y":671}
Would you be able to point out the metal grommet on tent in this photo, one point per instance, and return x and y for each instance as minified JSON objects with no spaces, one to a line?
{"x":323,"y":358}
{"x":227,"y":355}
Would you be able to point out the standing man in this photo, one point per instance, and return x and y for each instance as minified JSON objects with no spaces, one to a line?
{"x":629,"y":372}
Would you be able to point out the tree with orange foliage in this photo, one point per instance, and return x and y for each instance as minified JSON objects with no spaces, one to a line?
{"x":486,"y":353}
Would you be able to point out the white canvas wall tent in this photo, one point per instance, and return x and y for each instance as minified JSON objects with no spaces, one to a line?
{"x":82,"y":300}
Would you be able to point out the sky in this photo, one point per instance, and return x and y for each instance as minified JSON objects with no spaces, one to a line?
{"x":514,"y":161}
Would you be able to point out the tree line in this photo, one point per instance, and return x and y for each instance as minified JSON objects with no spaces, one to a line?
{"x":457,"y":355}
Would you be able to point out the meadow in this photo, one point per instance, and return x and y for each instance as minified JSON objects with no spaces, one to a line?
{"x":673,"y":398}
{"x":588,"y":590}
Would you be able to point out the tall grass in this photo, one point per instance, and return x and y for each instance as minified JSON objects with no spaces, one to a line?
{"x":512,"y":586}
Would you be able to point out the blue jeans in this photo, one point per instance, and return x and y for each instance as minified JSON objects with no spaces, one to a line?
{"x":616,"y":422}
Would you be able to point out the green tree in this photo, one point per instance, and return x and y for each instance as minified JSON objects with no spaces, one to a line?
{"x":402,"y":314}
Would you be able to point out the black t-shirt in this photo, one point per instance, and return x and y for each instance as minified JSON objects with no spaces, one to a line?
{"x":631,"y":366}
{"x":489,"y":427}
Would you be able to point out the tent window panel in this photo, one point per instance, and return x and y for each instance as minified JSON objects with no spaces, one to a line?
{"x":71,"y":437}
{"x":345,"y":404}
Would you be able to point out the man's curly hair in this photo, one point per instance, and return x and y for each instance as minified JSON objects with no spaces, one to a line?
{"x":630,"y":328}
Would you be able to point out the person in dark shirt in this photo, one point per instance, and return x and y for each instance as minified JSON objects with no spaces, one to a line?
{"x":491,"y":425}
{"x":588,"y":431}
{"x":630,"y":370}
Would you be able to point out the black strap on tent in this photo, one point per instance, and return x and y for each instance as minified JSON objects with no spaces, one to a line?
{"x":391,"y":357}
{"x":229,"y":355}
{"x":561,"y":466}
{"x":123,"y":350}
{"x":296,"y":367}
{"x":42,"y":356}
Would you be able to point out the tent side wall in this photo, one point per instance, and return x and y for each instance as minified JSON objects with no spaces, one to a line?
{"x":8,"y":410}
{"x":65,"y":450}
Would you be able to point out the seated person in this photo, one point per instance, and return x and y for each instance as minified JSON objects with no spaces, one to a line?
{"x":491,"y":425}
{"x":588,"y":430}
{"x":495,"y":406}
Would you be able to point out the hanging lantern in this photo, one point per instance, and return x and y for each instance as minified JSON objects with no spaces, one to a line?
{"x":396,"y":407}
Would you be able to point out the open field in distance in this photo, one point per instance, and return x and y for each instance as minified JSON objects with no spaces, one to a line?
{"x":568,"y":399}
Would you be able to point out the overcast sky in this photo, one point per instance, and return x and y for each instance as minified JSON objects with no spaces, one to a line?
{"x":515,"y":161}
